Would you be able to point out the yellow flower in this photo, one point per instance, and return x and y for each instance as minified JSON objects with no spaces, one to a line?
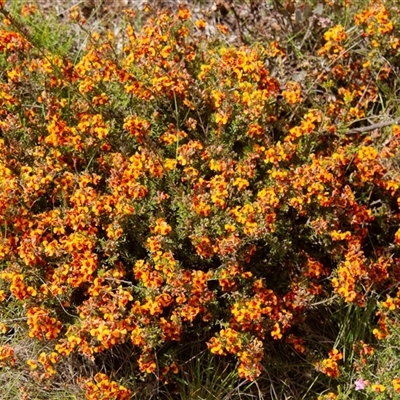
{"x":241,"y":183}
{"x":32,"y":364}
{"x":169,"y":164}
{"x":378,"y":388}
{"x":396,"y":384}
{"x":230,"y":228}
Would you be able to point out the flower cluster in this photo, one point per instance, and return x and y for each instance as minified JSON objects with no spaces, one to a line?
{"x":102,"y":388}
{"x":7,"y":355}
{"x":329,"y":366}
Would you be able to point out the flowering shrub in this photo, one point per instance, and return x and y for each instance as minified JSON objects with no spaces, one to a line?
{"x":163,"y":185}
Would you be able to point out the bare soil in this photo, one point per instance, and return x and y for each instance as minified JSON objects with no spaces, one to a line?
{"x":247,"y":21}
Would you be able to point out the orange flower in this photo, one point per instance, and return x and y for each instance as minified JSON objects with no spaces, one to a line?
{"x":201,"y":24}
{"x":379,"y":334}
{"x":7,"y":354}
{"x":276,"y":332}
{"x":397,"y":237}
{"x":215,"y":346}
{"x":183,"y":14}
{"x":329,"y":365}
{"x":222,"y":28}
{"x":161,"y":228}
{"x":389,"y":303}
{"x":292,"y":94}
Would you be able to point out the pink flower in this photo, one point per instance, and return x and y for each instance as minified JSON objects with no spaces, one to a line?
{"x":360,"y":384}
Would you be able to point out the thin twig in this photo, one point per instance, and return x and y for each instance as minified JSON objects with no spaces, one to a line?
{"x":372,"y":127}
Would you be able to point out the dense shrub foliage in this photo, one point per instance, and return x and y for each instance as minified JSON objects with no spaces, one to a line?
{"x":163,"y":186}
